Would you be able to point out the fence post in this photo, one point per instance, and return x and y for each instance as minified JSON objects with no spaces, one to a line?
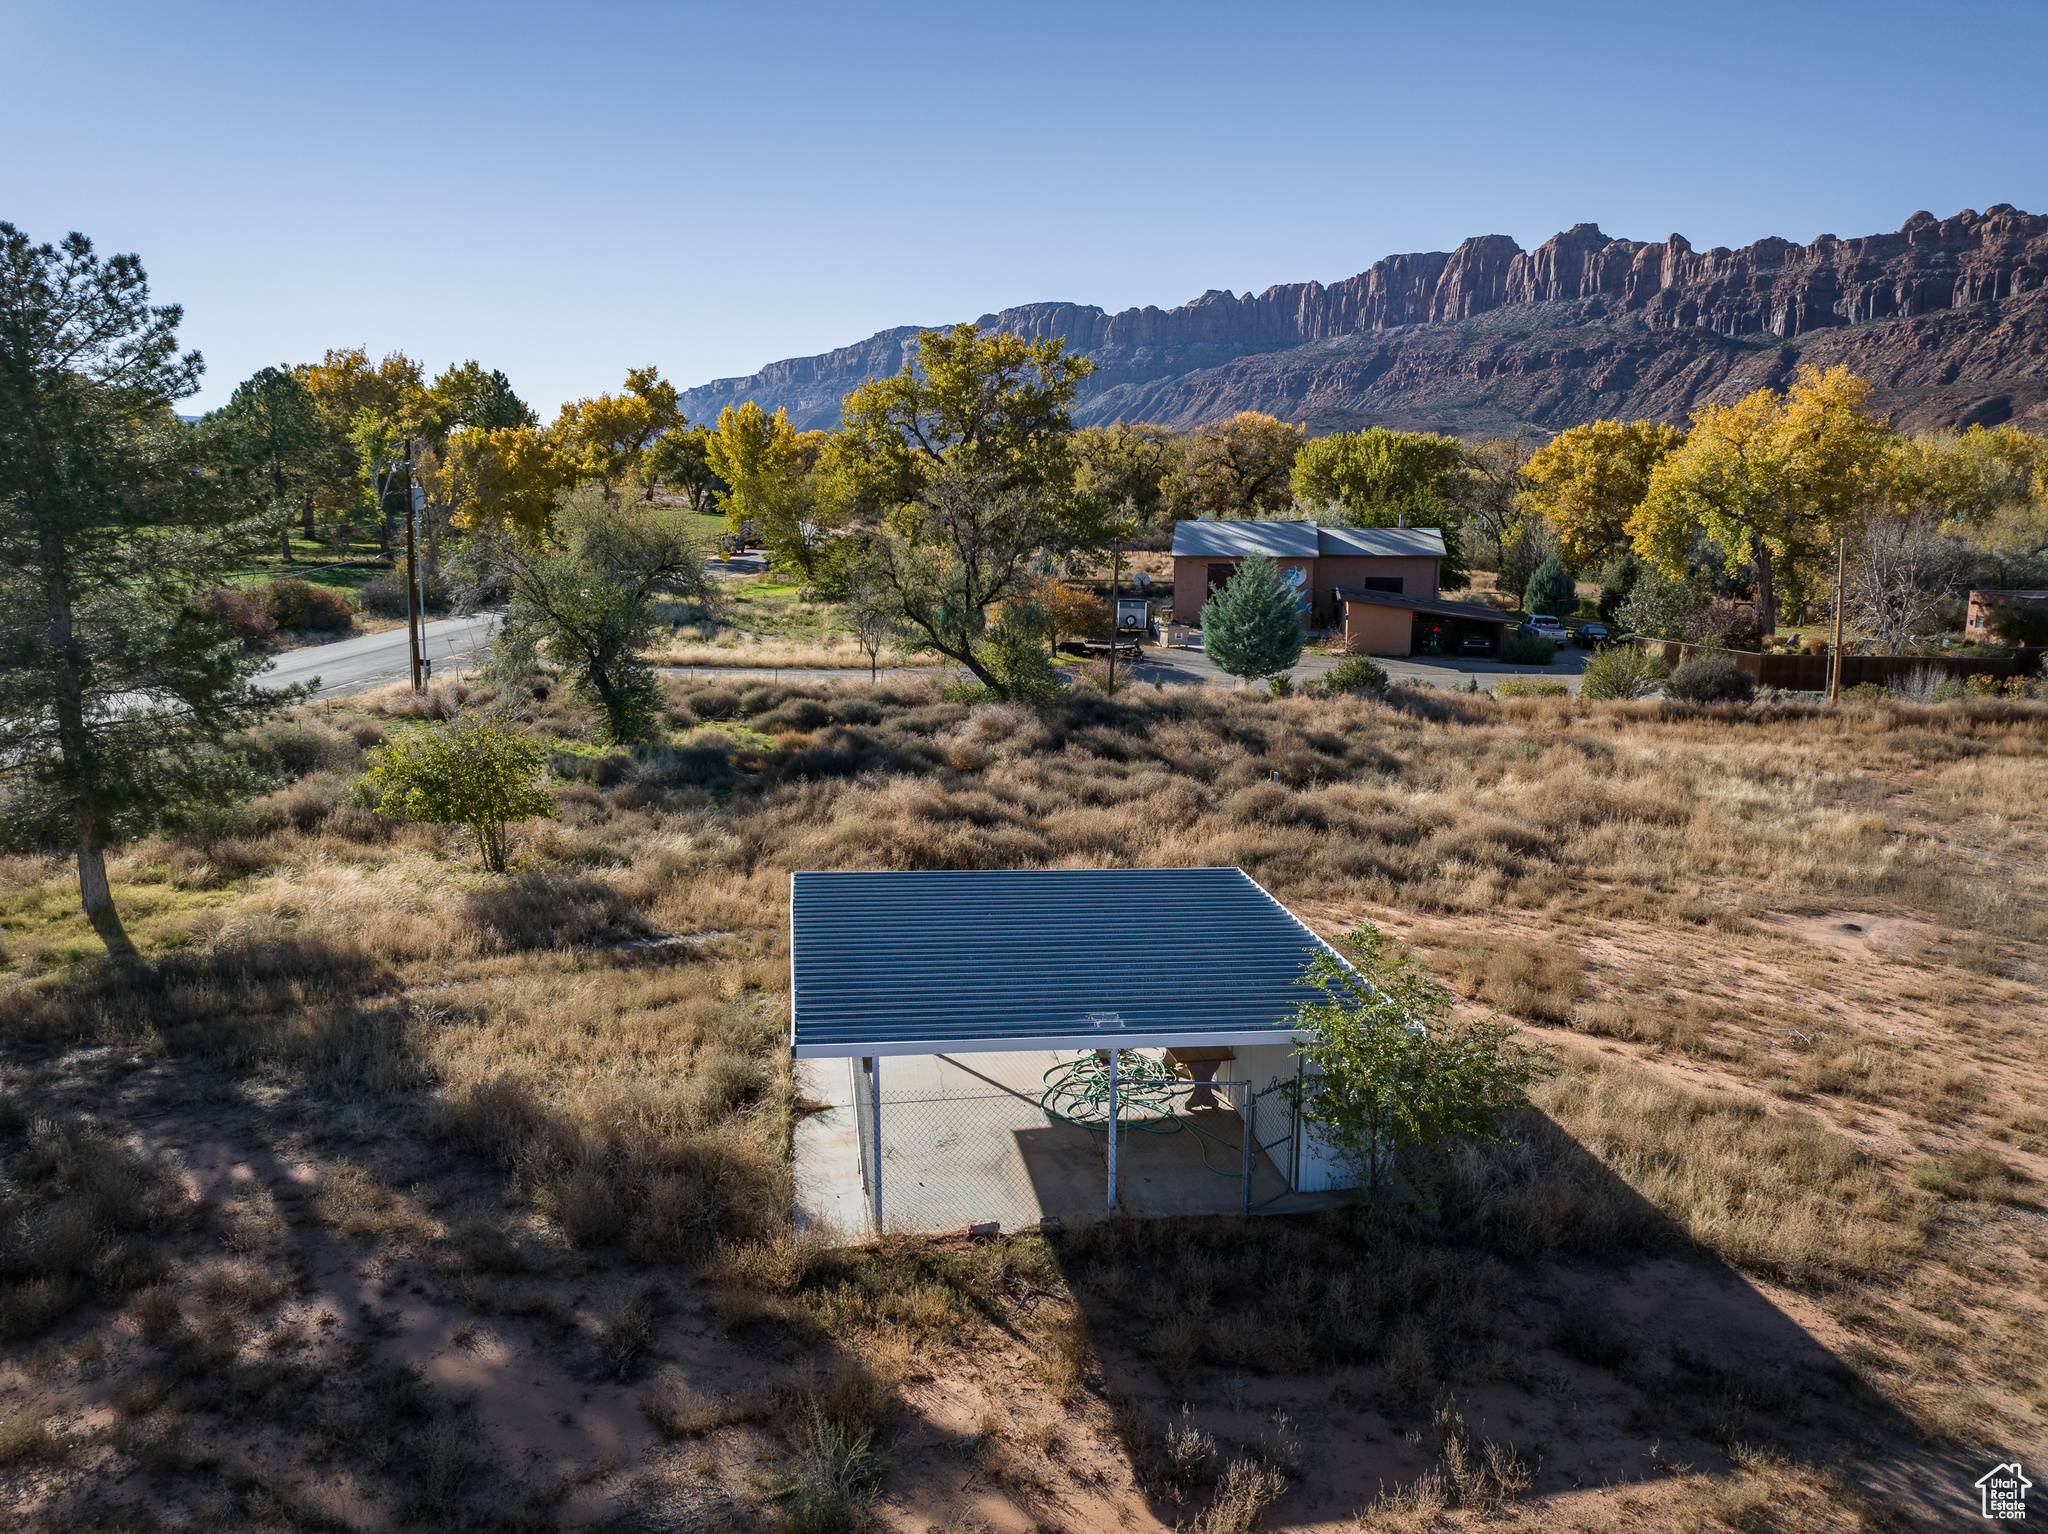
{"x":1112,"y":1130}
{"x":875,"y":1185}
{"x":1249,"y":1134}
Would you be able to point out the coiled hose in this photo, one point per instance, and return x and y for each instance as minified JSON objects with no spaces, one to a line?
{"x":1077,"y":1092}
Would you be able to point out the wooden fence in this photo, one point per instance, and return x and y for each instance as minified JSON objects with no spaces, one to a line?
{"x":1809,"y":673}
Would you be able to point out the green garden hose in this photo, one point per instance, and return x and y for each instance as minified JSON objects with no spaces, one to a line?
{"x":1077,"y":1092}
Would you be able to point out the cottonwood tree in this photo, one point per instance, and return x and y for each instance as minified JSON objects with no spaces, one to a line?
{"x":609,"y":435}
{"x":778,"y":484}
{"x":1770,"y":479}
{"x":1496,"y":472}
{"x":1895,"y":579}
{"x":1129,"y":463}
{"x":965,"y":544}
{"x":1381,"y":478}
{"x":979,"y":406}
{"x":114,"y":516}
{"x":1242,"y":466}
{"x":587,"y":588}
{"x":1252,"y":627}
{"x":680,"y":460}
{"x":1389,"y":1070}
{"x":507,"y":480}
{"x":1586,"y":481}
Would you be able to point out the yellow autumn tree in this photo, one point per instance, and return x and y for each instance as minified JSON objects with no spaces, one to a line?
{"x":610,"y":434}
{"x":1769,"y":479}
{"x":508,"y":479}
{"x":1587,"y":480}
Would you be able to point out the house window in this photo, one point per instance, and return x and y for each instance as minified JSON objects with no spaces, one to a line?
{"x":1387,"y":583}
{"x":1219,"y":576}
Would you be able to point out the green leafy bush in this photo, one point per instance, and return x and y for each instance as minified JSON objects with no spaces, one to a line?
{"x":1282,"y":686}
{"x":1710,"y":679}
{"x":297,"y":604}
{"x":1356,"y":673}
{"x":1622,"y":671}
{"x":1519,"y":647}
{"x":477,"y":772}
{"x":1395,"y":1071}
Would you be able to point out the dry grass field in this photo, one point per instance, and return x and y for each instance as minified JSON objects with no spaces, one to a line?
{"x":399,"y":1195}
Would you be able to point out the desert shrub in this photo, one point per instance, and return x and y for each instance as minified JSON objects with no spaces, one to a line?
{"x":1982,"y":685}
{"x":384,"y":595}
{"x":1281,"y":686}
{"x":1732,"y":624}
{"x":1622,"y":671}
{"x":1710,"y":679}
{"x":25,"y":1438}
{"x":1950,"y":690}
{"x":297,"y":604}
{"x":241,"y":616}
{"x":1980,"y":1173}
{"x":1519,"y":647}
{"x":1356,"y":673}
{"x":1869,"y":691}
{"x":290,"y":750}
{"x":76,"y":1211}
{"x":1530,"y":687}
{"x":834,"y":1472}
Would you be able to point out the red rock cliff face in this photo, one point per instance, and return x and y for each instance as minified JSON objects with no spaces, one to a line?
{"x":1607,"y":290}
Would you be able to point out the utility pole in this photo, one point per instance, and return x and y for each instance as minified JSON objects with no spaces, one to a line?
{"x":1835,"y":649}
{"x":412,"y":566}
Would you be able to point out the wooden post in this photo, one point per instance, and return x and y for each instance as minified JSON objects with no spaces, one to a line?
{"x":1835,"y":648}
{"x":412,"y":567}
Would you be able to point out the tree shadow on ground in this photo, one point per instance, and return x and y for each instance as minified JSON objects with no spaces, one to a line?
{"x":1498,"y":1337}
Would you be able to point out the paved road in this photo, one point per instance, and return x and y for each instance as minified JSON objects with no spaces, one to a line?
{"x":357,"y":665}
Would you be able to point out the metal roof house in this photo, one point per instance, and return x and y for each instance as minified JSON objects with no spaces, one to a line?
{"x":999,"y":1026}
{"x":1206,"y":553}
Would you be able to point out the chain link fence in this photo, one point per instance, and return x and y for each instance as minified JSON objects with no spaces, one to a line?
{"x":947,"y":1142}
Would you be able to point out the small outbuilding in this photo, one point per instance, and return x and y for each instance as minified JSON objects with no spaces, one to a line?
{"x":1028,"y":1045}
{"x":1392,"y":623}
{"x":1401,"y":561}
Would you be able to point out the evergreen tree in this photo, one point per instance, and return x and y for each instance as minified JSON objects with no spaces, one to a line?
{"x":1551,"y":590}
{"x":1252,"y":627}
{"x":114,"y":685}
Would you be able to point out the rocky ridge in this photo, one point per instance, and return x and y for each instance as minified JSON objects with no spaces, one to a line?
{"x":1947,"y":316}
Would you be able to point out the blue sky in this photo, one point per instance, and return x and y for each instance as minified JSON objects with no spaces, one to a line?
{"x":566,"y":191}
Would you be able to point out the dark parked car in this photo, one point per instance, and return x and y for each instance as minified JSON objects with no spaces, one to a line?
{"x":1592,"y":636}
{"x":1472,"y":642}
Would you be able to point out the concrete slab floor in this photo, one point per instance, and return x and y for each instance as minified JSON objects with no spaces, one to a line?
{"x":965,"y":1139}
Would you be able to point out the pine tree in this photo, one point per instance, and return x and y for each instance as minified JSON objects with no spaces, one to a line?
{"x":115,"y":686}
{"x":1252,"y":628}
{"x":1551,"y":590}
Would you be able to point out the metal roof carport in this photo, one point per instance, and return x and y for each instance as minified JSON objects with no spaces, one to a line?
{"x":1017,"y":963}
{"x":1428,"y":607}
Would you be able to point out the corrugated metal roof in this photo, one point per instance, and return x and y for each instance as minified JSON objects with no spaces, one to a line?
{"x":1303,"y":540}
{"x":1241,"y":540}
{"x":1065,"y":958}
{"x":1436,"y":607}
{"x":1383,"y":542}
